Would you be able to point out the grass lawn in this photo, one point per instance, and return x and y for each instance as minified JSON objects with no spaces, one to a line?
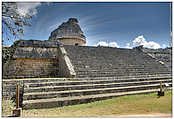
{"x":126,"y":105}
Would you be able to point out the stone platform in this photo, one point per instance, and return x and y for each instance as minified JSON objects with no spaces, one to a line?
{"x":54,"y":92}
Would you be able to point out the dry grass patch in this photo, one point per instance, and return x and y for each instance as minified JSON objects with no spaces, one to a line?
{"x":125,"y":105}
{"x":7,"y":107}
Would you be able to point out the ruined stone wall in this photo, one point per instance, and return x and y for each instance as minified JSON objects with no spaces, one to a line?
{"x":20,"y":68}
{"x":65,"y":67}
{"x":33,"y":58}
{"x":72,"y":41}
{"x":162,"y":55}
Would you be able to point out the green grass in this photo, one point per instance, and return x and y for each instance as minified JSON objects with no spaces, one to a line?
{"x":125,"y":105}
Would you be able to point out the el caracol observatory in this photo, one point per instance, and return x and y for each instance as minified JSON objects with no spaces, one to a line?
{"x":62,"y":71}
{"x":64,"y":55}
{"x":69,"y":33}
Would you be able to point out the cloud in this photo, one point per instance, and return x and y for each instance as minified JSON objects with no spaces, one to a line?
{"x":140,"y":40}
{"x":53,"y":26}
{"x":164,"y":45}
{"x":128,"y":46}
{"x":28,"y":8}
{"x":152,"y":45}
{"x":89,"y":23}
{"x":111,"y":44}
{"x":102,"y":44}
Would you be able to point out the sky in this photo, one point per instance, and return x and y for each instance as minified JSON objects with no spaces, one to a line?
{"x":113,"y":24}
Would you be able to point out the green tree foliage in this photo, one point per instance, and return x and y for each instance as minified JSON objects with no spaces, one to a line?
{"x":12,"y":21}
{"x":12,"y":26}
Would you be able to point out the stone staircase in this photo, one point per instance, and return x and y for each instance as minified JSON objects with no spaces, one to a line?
{"x":54,"y":92}
{"x":110,"y":62}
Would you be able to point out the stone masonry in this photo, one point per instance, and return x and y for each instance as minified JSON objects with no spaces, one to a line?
{"x":69,"y":33}
{"x":33,"y":58}
{"x":92,"y":73}
{"x":162,"y":55}
{"x":107,"y":62}
{"x":63,"y":56}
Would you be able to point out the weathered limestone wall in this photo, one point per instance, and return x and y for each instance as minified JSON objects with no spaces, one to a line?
{"x":35,"y":52}
{"x":66,"y":68}
{"x":69,"y":33}
{"x":33,"y":58}
{"x":72,"y":41}
{"x":20,"y":68}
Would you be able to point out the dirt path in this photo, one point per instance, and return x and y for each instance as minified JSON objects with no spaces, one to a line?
{"x":147,"y":115}
{"x":150,"y":115}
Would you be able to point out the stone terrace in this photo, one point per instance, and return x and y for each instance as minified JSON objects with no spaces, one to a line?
{"x":108,"y":62}
{"x":54,"y":92}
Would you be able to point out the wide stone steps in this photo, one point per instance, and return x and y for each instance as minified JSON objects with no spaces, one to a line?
{"x":151,"y":70}
{"x":145,"y":64}
{"x":117,"y":67}
{"x":54,"y":87}
{"x":122,"y":78}
{"x":105,"y":62}
{"x":43,"y":93}
{"x":118,"y":70}
{"x":114,"y":68}
{"x":113,"y":74}
{"x":69,"y":93}
{"x":81,"y":81}
{"x":64,"y":101}
{"x":116,"y":73}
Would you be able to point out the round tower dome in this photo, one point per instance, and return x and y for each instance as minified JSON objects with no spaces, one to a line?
{"x":69,"y":33}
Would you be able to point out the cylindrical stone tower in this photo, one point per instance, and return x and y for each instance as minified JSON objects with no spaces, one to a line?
{"x":69,"y":33}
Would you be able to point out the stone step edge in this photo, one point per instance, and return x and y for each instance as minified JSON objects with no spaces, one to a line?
{"x":107,"y":79}
{"x":116,"y":70}
{"x":88,"y":90}
{"x":92,"y":84}
{"x":90,"y":78}
{"x":90,"y":96}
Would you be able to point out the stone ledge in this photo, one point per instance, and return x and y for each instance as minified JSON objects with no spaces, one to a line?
{"x":37,"y":43}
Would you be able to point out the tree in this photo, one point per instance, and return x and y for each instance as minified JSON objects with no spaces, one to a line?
{"x":12,"y":21}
